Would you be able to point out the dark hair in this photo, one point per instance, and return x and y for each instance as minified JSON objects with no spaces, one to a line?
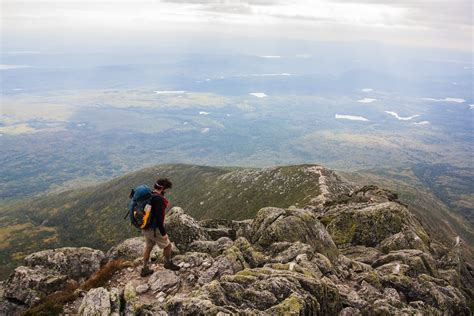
{"x":163,"y":183}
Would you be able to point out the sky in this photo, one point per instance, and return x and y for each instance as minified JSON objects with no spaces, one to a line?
{"x":26,"y":24}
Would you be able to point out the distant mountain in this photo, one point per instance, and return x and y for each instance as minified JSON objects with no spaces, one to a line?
{"x":93,"y":216}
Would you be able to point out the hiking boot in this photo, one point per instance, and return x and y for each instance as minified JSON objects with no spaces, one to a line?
{"x":171,"y":266}
{"x":146,"y":272}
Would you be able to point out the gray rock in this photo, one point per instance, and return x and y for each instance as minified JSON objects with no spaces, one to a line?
{"x":273,"y":225}
{"x":183,"y":229}
{"x":285,"y":251}
{"x":403,"y":240}
{"x":115,"y":301}
{"x":361,"y":253}
{"x":76,"y":263}
{"x":213,"y":247}
{"x":418,"y":261}
{"x":217,"y":228}
{"x":130,"y":249}
{"x":242,"y":228}
{"x":96,"y":303}
{"x":369,"y":226}
{"x":142,"y":288}
{"x":350,"y":311}
{"x":132,"y":302}
{"x":184,"y":305}
{"x":29,"y":285}
{"x":163,"y":280}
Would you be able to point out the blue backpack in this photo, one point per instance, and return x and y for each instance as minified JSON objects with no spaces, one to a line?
{"x":139,"y":207}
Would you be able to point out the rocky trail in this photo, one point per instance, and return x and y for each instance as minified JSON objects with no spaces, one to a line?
{"x":351,"y":251}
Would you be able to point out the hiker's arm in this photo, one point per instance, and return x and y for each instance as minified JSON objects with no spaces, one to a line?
{"x":157,"y":204}
{"x":161,"y":226}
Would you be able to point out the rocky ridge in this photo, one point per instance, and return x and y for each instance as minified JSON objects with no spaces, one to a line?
{"x":350,"y":251}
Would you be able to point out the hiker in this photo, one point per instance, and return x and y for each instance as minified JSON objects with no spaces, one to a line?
{"x":157,"y":219}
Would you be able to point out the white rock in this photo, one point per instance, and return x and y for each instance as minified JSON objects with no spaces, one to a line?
{"x":142,"y":288}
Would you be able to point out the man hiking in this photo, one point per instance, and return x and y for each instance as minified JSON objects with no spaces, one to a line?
{"x":157,"y":219}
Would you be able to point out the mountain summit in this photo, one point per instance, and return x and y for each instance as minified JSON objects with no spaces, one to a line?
{"x":337,"y":250}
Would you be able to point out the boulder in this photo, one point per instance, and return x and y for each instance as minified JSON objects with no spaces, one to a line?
{"x":242,"y":228}
{"x":163,"y":280}
{"x":184,"y":305}
{"x":100,"y":302}
{"x":284,"y":252}
{"x":403,"y":240}
{"x":76,"y":263}
{"x":217,"y":228}
{"x":292,"y":225}
{"x":418,"y":261}
{"x":131,"y":249}
{"x":295,"y":304}
{"x":28,"y":285}
{"x":213,"y":247}
{"x":131,"y":300}
{"x":284,"y":290}
{"x":361,"y":253}
{"x":370,"y":225}
{"x":435,"y":295}
{"x":183,"y":229}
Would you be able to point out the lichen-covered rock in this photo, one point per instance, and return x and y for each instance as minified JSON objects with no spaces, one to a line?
{"x":291,"y":225}
{"x":295,"y":305}
{"x":287,"y":251}
{"x":7,"y":307}
{"x":403,"y":240}
{"x":213,"y":247}
{"x":164,"y":280}
{"x":183,"y":229}
{"x":130,"y":249}
{"x":115,"y":301}
{"x":457,"y":270}
{"x":361,"y":253}
{"x":417,"y":261}
{"x":76,"y":263}
{"x":350,"y":311}
{"x":217,"y":228}
{"x":184,"y":305}
{"x":131,"y":300}
{"x":28,"y":285}
{"x":97,"y":302}
{"x":440,"y":297}
{"x":369,"y":226}
{"x":242,"y":228}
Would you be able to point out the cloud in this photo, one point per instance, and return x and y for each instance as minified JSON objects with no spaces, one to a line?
{"x":8,"y":67}
{"x":351,"y":117}
{"x":422,"y":123}
{"x":258,"y":94}
{"x":366,"y":100}
{"x":203,"y":113}
{"x":170,"y":92}
{"x":452,"y":100}
{"x":442,"y":23}
{"x":367,"y":90}
{"x":401,"y":118}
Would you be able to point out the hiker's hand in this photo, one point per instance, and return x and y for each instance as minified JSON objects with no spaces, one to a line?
{"x":165,"y":237}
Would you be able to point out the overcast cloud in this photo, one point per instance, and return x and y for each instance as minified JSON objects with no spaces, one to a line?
{"x":433,"y":23}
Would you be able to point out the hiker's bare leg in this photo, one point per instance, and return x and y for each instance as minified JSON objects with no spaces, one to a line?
{"x":146,"y":255}
{"x":167,"y":253}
